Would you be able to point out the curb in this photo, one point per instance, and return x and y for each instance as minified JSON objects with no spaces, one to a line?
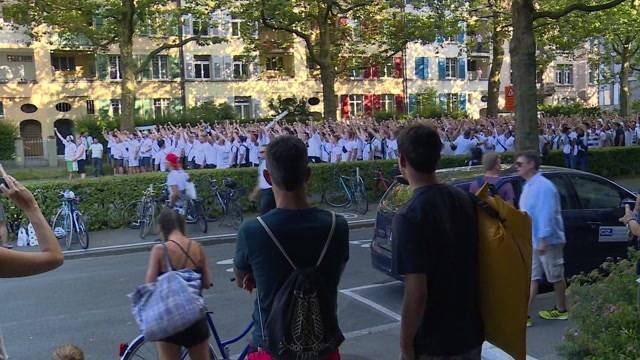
{"x":205,"y":240}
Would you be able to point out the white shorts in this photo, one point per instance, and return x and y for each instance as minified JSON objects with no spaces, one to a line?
{"x":134,"y":162}
{"x":549,"y":264}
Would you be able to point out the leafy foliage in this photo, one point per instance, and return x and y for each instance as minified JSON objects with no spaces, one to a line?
{"x":297,"y":107}
{"x":7,"y":143}
{"x":604,"y":313}
{"x":569,"y":110}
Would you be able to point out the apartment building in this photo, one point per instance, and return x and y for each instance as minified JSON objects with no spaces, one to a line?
{"x":43,"y":85}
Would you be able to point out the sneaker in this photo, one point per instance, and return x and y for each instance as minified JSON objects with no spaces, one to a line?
{"x":529,"y":322}
{"x":554,"y":314}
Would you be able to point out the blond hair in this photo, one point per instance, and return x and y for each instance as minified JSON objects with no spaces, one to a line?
{"x":68,"y":352}
{"x":490,"y":161}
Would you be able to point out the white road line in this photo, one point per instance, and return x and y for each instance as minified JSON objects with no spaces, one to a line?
{"x":372,"y":304}
{"x":370,"y":330}
{"x":370,"y":286}
{"x":225,"y":262}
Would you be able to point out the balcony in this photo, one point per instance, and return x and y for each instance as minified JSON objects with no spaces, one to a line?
{"x":73,"y":66}
{"x":17,"y":66}
{"x":478,"y":68}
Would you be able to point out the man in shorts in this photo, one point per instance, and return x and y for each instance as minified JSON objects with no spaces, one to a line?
{"x":540,"y":199}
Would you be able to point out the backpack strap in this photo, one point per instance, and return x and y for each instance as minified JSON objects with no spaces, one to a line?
{"x":167,"y":259}
{"x":275,"y":241}
{"x":326,"y":244}
{"x":186,"y":253}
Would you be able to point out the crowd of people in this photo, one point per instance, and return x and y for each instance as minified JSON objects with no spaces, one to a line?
{"x":231,"y":144}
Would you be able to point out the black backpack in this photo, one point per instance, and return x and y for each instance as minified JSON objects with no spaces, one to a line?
{"x":303,"y":323}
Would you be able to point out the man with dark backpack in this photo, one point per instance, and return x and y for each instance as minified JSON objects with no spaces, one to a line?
{"x":492,"y":164}
{"x":294,"y":255}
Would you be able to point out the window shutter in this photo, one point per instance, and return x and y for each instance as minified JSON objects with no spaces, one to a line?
{"x":230,"y":100}
{"x":368,"y":103}
{"x":419,"y":68}
{"x":377,"y":103}
{"x":399,"y":73}
{"x":344,"y":106}
{"x":255,"y":69}
{"x":441,"y":68}
{"x":216,"y":61}
{"x":187,"y":24}
{"x":412,"y":103}
{"x":225,"y":25}
{"x":462,"y":68}
{"x":257,"y":113}
{"x":367,"y":72}
{"x":462,"y":102}
{"x":375,"y":72}
{"x":426,"y":68}
{"x":174,"y":67}
{"x":189,"y":70}
{"x":227,"y":67}
{"x":399,"y":103}
{"x":102,"y":66}
{"x":98,"y":22}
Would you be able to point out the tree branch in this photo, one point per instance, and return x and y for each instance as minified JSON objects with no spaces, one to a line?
{"x":166,"y":46}
{"x":291,"y":30}
{"x":554,"y":15}
{"x":356,"y":6}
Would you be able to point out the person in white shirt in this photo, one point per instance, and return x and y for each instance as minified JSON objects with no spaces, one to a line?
{"x":254,"y":150}
{"x":392,"y":147}
{"x":146,"y":148}
{"x":96,"y":150}
{"x":69,"y":153}
{"x":242,"y":154}
{"x":326,"y":149}
{"x":263,"y":188}
{"x":464,"y":143}
{"x":176,"y":183}
{"x":510,"y":141}
{"x":161,"y":155}
{"x":336,"y":150}
{"x":223,"y":153}
{"x":210,"y":155}
{"x":314,"y":146}
{"x":81,"y":157}
{"x":133,"y":153}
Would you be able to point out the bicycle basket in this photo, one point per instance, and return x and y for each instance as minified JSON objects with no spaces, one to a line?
{"x":229,"y":183}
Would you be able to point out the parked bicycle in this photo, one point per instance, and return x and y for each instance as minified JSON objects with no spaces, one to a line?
{"x":142,"y":214}
{"x":140,"y":349}
{"x":347,"y":191}
{"x":226,"y":207}
{"x":195,"y":214}
{"x":69,"y":222}
{"x":382,"y":183}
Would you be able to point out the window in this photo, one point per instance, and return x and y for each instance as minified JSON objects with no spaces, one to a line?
{"x":235,"y":27}
{"x":1,"y":109}
{"x":356,"y":71}
{"x":388,"y":70}
{"x":275,"y":63}
{"x":564,"y":74}
{"x":593,"y":76}
{"x":63,"y":63}
{"x":387,"y":102}
{"x":63,"y":107}
{"x":202,"y":65}
{"x":242,"y":105}
{"x":539,"y":77}
{"x":160,"y":67}
{"x":91,"y":108}
{"x":240,"y":68}
{"x":596,"y":194}
{"x":217,"y":70}
{"x":19,"y":58}
{"x":396,"y":197}
{"x":451,"y":68}
{"x":115,"y":67}
{"x":567,"y":200}
{"x":452,"y":102}
{"x":28,"y":108}
{"x":356,"y":105}
{"x":200,"y":27}
{"x":161,"y":107}
{"x":115,"y":107}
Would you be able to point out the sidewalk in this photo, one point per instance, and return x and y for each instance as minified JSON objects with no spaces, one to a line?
{"x":120,"y":241}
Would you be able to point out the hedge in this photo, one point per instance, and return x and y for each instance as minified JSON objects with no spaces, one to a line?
{"x":102,"y":198}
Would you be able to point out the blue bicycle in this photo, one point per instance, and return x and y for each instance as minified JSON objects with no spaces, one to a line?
{"x":69,"y":222}
{"x":141,"y":349}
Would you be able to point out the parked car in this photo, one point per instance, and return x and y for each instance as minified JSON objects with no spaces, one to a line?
{"x":591,"y":207}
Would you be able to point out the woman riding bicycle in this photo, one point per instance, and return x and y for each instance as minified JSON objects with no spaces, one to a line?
{"x":183,"y":253}
{"x":176,"y":183}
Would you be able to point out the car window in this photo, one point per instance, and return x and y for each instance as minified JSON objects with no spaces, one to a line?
{"x":594,"y":193}
{"x":463,"y":186}
{"x":396,"y":197}
{"x":567,"y":201}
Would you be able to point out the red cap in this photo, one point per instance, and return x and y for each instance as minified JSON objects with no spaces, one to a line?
{"x":172,"y":159}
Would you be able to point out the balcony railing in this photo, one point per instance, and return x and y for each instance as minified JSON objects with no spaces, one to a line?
{"x":478,"y":75}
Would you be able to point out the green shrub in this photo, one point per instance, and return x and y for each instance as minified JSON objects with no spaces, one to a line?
{"x":604,"y":313}
{"x":7,"y":141}
{"x":569,"y":109}
{"x":297,"y":107}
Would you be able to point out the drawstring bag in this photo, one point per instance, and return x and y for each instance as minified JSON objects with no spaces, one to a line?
{"x":190,"y":190}
{"x":22,"y":238}
{"x":33,"y":239}
{"x":170,"y":305}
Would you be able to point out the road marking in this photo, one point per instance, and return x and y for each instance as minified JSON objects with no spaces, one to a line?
{"x":361,"y":243}
{"x":371,"y":330}
{"x":348,"y":215}
{"x":225,"y":262}
{"x":372,"y":304}
{"x":371,"y":286}
{"x":229,"y":270}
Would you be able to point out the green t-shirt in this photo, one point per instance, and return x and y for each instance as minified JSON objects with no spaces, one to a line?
{"x":302,"y":234}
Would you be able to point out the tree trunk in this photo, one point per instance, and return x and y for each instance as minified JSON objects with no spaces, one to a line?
{"x":523,"y":63}
{"x":327,"y":73}
{"x":497,"y":50}
{"x":625,"y":70}
{"x":129,"y":67}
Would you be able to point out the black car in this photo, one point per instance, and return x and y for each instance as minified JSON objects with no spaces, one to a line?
{"x":591,"y":207}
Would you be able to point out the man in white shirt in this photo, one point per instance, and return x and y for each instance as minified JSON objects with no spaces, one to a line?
{"x":96,"y":150}
{"x":314,"y":146}
{"x":464,"y":144}
{"x":263,"y":188}
{"x":210,"y":155}
{"x":176,"y":183}
{"x":254,"y":150}
{"x":223,"y":153}
{"x":146,"y":148}
{"x":69,"y":153}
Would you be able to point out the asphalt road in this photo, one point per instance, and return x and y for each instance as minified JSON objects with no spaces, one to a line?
{"x":85,"y":303}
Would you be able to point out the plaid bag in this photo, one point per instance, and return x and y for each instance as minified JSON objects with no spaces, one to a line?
{"x":170,"y":305}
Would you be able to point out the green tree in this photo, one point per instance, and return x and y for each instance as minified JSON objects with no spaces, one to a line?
{"x":334,"y":33}
{"x":100,"y":24}
{"x":613,"y":36}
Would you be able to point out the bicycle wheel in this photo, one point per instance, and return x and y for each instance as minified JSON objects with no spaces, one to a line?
{"x":336,"y":194}
{"x":141,"y":349}
{"x":132,"y":214}
{"x":361,"y":202}
{"x":62,"y":220}
{"x":214,"y":211}
{"x":82,"y":233}
{"x":190,"y":216}
{"x":147,"y":218}
{"x":235,"y":214}
{"x":201,"y":218}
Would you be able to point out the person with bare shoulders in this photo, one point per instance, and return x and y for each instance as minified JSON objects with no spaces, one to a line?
{"x":183,"y":253}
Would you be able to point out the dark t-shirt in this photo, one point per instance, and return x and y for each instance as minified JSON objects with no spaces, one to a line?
{"x":436,"y":234}
{"x":619,"y":140}
{"x":302,"y":234}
